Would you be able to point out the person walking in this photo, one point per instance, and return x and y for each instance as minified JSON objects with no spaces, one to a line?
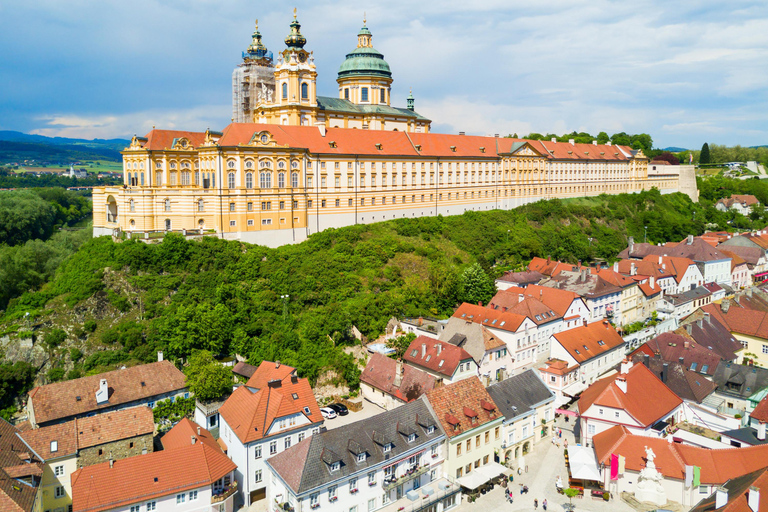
{"x":535,"y":504}
{"x":544,"y":504}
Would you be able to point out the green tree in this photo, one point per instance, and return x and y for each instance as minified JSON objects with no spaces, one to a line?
{"x":55,"y":338}
{"x":401,"y":343}
{"x":476,"y":285}
{"x":571,"y":493}
{"x":602,"y":138}
{"x":207,"y":378}
{"x":704,"y":157}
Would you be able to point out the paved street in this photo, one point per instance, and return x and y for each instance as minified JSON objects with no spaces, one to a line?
{"x":544,"y":466}
{"x":367,"y":411}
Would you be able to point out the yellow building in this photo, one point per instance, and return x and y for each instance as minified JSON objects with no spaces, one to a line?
{"x":310,"y":163}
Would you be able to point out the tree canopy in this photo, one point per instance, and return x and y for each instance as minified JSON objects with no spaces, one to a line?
{"x":207,"y":378}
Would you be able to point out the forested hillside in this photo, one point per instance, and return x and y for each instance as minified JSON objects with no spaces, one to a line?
{"x":119,"y":303}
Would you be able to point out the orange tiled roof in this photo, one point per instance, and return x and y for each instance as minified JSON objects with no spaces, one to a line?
{"x":181,"y":435}
{"x":647,"y":399}
{"x":41,"y":439}
{"x":548,"y":267}
{"x":741,"y":320}
{"x":380,"y":373}
{"x":163,"y":139}
{"x":597,"y":337}
{"x":761,"y":411}
{"x":449,"y":403}
{"x":78,"y":397}
{"x":144,"y":477}
{"x":717,"y":465}
{"x":252,"y":409}
{"x":489,"y":317}
{"x":15,"y":496}
{"x":439,"y":356}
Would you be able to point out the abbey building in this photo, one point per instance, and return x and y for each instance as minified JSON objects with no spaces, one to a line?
{"x":293,"y":163}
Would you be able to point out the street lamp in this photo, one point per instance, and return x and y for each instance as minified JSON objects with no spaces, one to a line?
{"x":645,"y":237}
{"x":508,"y":235}
{"x":285,"y":305}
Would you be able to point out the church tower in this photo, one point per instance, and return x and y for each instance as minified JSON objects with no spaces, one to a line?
{"x":296,"y":80}
{"x":364,"y":77}
{"x":253,"y":81}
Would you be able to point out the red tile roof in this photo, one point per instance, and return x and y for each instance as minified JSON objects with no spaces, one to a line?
{"x":761,"y":411}
{"x":717,"y":466}
{"x":548,"y":267}
{"x":647,"y":399}
{"x":181,"y":435}
{"x":438,"y":356}
{"x":740,"y":320}
{"x":672,"y":346}
{"x":450,"y":402}
{"x":144,"y":477}
{"x":95,"y":430}
{"x":250,"y":414}
{"x":163,"y":139}
{"x":518,"y":301}
{"x":15,"y":496}
{"x":491,"y":318}
{"x":78,"y":397}
{"x":381,"y":371}
{"x":588,"y":341}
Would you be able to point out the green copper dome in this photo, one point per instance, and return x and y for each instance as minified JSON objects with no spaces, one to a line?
{"x":295,"y":39}
{"x":364,"y":61}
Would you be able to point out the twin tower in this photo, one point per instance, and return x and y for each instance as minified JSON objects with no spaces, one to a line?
{"x":285,"y":92}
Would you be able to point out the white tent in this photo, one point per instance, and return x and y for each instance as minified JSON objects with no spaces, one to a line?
{"x":583,"y":463}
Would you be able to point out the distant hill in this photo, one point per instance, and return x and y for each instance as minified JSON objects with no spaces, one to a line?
{"x":9,"y":135}
{"x":11,"y":151}
{"x":674,"y":149}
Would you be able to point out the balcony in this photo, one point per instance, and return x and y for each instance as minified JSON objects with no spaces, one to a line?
{"x":427,"y":497}
{"x":220,"y":495}
{"x":416,"y":472}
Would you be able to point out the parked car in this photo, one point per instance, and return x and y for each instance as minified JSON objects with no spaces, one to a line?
{"x":340,"y":409}
{"x":328,"y":413}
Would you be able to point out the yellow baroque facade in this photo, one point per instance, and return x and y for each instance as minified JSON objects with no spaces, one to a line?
{"x":302,"y":167}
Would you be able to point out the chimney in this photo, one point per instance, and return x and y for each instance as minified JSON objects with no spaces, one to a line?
{"x":520,"y":297}
{"x":159,"y":355}
{"x":653,"y":282}
{"x":439,"y":348}
{"x":277,"y":364}
{"x":631,"y":244}
{"x":194,"y":439}
{"x":102,"y":394}
{"x":664,"y":370}
{"x":621,"y":383}
{"x":399,"y":374}
{"x":462,"y":133}
{"x":761,"y":431}
{"x":421,"y":321}
{"x":681,"y":360}
{"x":423,"y":350}
{"x":632,"y":269}
{"x":663,"y":265}
{"x":626,"y":364}
{"x":594,"y":143}
{"x":686,"y":344}
{"x":554,"y":139}
{"x":198,"y":430}
{"x":660,"y":262}
{"x":725,"y":305}
{"x":321,"y":127}
{"x":690,"y":240}
{"x":707,"y":318}
{"x":616,"y":267}
{"x":721,"y":497}
{"x":753,"y":498}
{"x":571,"y":141}
{"x":111,"y":462}
{"x":608,"y":143}
{"x":647,"y":360}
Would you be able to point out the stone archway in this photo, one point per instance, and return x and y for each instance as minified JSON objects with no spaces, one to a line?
{"x":517,"y":452}
{"x":507,"y":456}
{"x":111,"y":209}
{"x":526,"y":447}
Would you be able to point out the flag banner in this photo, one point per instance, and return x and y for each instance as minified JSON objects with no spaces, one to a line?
{"x":622,"y":461}
{"x":696,"y":476}
{"x":614,"y":467}
{"x":688,"y":476}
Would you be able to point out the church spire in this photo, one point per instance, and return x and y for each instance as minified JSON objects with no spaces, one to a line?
{"x":295,"y":39}
{"x":364,"y":36}
{"x":410,"y":100}
{"x":257,"y":48}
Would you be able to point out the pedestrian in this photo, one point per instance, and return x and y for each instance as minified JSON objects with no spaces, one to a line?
{"x":544,"y":504}
{"x":565,"y":443}
{"x":560,"y":432}
{"x":535,"y":504}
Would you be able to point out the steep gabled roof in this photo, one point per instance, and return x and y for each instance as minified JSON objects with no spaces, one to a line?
{"x":685,"y":383}
{"x":740,"y":319}
{"x":144,"y":477}
{"x":647,"y":399}
{"x":739,"y":490}
{"x":381,"y":373}
{"x":520,"y":394}
{"x":452,"y":402}
{"x":252,"y":409}
{"x":16,"y":463}
{"x":588,"y":341}
{"x":439,"y":356}
{"x":182,"y":433}
{"x":78,"y":397}
{"x":489,"y":317}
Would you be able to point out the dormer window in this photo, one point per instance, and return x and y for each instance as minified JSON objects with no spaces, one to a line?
{"x":386,"y":448}
{"x":378,"y":146}
{"x":453,"y":148}
{"x":411,"y":438}
{"x":482,"y":149}
{"x":361,"y":457}
{"x":418,"y":147}
{"x":335,"y":466}
{"x":332,"y":144}
{"x":54,"y":446}
{"x":431,"y":429}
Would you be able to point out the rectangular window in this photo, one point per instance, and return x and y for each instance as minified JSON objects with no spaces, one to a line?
{"x":458,"y":449}
{"x":372,"y":478}
{"x":322,"y":182}
{"x":231,"y":207}
{"x":59,"y":491}
{"x":338,"y":203}
{"x":477,"y":441}
{"x":273,"y":447}
{"x":151,"y":505}
{"x":309,"y":204}
{"x":487,"y":437}
{"x":266,"y":205}
{"x":295,"y":205}
{"x":257,"y":476}
{"x":591,"y":430}
{"x":352,"y":484}
{"x":181,"y":498}
{"x":135,"y":508}
{"x":58,"y":470}
{"x":257,"y":452}
{"x":349,"y":181}
{"x":250,"y":222}
{"x":372,"y":501}
{"x":485,"y":460}
{"x":287,"y":442}
{"x":350,"y":202}
{"x":322,"y":203}
{"x":232,"y":223}
{"x":364,"y":97}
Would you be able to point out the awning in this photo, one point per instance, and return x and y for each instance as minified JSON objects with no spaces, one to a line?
{"x":575,"y":388}
{"x":481,"y":475}
{"x":492,"y":469}
{"x":566,"y":412}
{"x":583,"y":463}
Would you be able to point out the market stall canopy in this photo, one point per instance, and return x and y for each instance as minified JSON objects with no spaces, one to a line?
{"x":583,"y":463}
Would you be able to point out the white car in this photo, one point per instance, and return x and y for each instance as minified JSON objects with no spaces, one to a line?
{"x":328,"y":413}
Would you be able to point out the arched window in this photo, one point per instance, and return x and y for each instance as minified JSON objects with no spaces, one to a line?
{"x":281,"y":180}
{"x":142,"y":179}
{"x":200,"y":205}
{"x":249,"y":180}
{"x":265,"y":180}
{"x":231,"y":180}
{"x":295,"y":180}
{"x":383,"y":98}
{"x":285,"y":91}
{"x":132,"y":205}
{"x":304,"y":91}
{"x":167,"y":205}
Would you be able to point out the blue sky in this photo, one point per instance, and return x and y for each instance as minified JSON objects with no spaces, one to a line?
{"x":684,"y":71}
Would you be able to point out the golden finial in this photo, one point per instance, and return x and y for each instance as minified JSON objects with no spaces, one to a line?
{"x":364,"y":18}
{"x":294,"y":13}
{"x":257,"y":25}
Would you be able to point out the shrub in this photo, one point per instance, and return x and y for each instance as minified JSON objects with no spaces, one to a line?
{"x":56,"y":374}
{"x":75,"y":354}
{"x":55,"y":338}
{"x":90,"y":325}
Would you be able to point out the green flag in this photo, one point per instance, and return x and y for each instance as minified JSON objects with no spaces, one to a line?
{"x":696,"y":476}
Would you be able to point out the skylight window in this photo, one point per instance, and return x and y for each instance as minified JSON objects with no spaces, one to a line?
{"x":429,"y":357}
{"x":704,"y":368}
{"x":502,"y":323}
{"x":577,"y":351}
{"x":538,"y":317}
{"x":441,"y":363}
{"x":414,"y":352}
{"x":307,"y":411}
{"x":295,"y":396}
{"x":494,"y":321}
{"x":585,"y":347}
{"x":600,"y":342}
